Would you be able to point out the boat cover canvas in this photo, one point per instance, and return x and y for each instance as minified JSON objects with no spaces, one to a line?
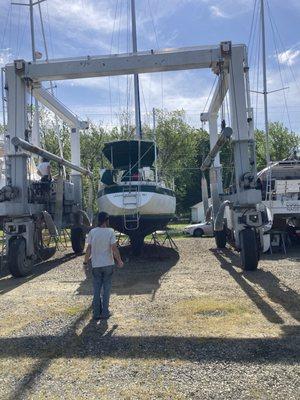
{"x":124,"y":153}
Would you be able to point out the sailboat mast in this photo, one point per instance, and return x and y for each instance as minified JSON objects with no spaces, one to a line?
{"x":137,"y":104}
{"x":265,"y":89}
{"x":35,"y":128}
{"x":32,"y":30}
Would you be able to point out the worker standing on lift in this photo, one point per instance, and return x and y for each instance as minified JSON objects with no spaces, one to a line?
{"x":44,"y":170}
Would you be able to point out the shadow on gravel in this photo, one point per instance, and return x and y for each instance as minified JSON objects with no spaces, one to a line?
{"x":229,"y":261}
{"x":140,"y":275}
{"x":97,"y":340}
{"x":10,"y":283}
{"x":293,"y":254}
{"x":279,"y":293}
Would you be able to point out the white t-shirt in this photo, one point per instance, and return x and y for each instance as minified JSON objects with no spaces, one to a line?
{"x":43,"y":168}
{"x":101,"y":240}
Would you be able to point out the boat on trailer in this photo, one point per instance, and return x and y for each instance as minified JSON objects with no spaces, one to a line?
{"x":137,"y":200}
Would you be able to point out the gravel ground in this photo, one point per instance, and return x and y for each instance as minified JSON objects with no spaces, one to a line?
{"x":190,"y":325}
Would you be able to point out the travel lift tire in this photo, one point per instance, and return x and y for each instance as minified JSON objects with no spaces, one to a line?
{"x":249,"y":250}
{"x":19,"y":264}
{"x":220,"y":239}
{"x":78,"y":240}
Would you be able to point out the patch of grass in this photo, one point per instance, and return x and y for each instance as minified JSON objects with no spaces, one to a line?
{"x":210,"y":317}
{"x":208,"y":307}
{"x":177,"y":227}
{"x":74,"y":310}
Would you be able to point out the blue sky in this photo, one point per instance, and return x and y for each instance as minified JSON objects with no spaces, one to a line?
{"x":89,"y":27}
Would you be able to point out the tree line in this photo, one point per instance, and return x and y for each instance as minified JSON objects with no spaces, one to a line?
{"x":182,"y":148}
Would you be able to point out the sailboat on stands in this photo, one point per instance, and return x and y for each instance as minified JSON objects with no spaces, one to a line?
{"x":131,"y":192}
{"x":280,"y":180}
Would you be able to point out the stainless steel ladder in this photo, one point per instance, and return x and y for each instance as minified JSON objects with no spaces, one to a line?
{"x":131,"y":198}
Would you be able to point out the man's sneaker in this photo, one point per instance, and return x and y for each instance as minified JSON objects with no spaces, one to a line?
{"x":106,"y":316}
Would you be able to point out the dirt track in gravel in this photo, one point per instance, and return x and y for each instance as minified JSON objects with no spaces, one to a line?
{"x":190,"y":325}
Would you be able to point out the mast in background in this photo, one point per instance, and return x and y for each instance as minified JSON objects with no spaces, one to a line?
{"x":265,"y":89}
{"x":155,"y":145}
{"x":36,"y":122}
{"x":35,"y":127}
{"x":137,"y":104}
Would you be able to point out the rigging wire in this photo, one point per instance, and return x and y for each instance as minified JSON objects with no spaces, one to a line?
{"x":128,"y":77}
{"x":284,"y":50}
{"x":56,"y":124}
{"x":9,"y":35}
{"x":252,"y":25}
{"x":254,"y":44}
{"x":118,"y":51}
{"x":7,"y":19}
{"x":18,"y":29}
{"x":278,"y":65}
{"x":210,"y":93}
{"x":111,"y":48}
{"x":157,"y":43}
{"x":49,"y":29}
{"x":253,"y":47}
{"x":22,"y":36}
{"x":257,"y":78}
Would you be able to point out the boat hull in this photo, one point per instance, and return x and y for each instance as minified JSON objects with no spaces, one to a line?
{"x":155,"y":207}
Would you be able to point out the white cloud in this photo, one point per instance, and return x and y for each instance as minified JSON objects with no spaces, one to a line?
{"x":288,"y":57}
{"x":217,"y":12}
{"x":228,"y":8}
{"x":5,"y":57}
{"x":84,"y":16}
{"x":176,"y":93}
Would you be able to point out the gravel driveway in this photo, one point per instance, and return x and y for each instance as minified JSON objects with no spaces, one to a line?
{"x":187,"y":325}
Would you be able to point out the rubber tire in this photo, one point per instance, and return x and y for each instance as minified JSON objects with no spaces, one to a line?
{"x":198,"y":232}
{"x":249,"y":252}
{"x":137,"y":243}
{"x":18,"y":264}
{"x":78,"y":240}
{"x":220,"y":239}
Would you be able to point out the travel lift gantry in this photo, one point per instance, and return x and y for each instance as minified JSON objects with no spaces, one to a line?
{"x":29,"y":207}
{"x":238,"y":216}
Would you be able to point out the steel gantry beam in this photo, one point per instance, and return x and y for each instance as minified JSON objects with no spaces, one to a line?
{"x":56,"y":106}
{"x":122,"y":64}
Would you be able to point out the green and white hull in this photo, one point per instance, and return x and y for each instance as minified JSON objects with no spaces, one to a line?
{"x":137,"y":209}
{"x":137,"y":202}
{"x":118,"y":200}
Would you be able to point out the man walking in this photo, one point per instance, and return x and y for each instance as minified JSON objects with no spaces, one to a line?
{"x":102,"y":250}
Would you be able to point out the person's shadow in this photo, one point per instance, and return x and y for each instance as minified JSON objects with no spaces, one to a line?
{"x":96,"y":330}
{"x":140,"y":275}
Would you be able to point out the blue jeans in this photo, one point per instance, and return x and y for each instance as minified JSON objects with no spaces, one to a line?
{"x":102,"y":279}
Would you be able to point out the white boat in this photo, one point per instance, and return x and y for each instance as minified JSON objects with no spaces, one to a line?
{"x":137,"y":201}
{"x":280,"y":185}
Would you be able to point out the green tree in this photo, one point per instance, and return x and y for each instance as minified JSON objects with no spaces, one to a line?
{"x":177,"y":143}
{"x":281,"y":143}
